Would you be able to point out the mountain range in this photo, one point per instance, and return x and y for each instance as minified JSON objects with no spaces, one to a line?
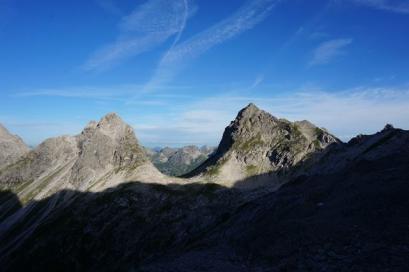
{"x":179,"y":161}
{"x":274,"y":196}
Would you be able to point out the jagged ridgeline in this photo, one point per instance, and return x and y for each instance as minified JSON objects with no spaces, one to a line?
{"x":256,"y":146}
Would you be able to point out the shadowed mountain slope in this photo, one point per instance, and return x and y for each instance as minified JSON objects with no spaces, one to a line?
{"x":351,"y":217}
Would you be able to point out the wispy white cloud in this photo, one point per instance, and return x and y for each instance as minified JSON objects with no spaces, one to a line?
{"x":115,"y":92}
{"x":151,"y":24}
{"x":82,"y":92}
{"x":348,"y":113}
{"x":247,"y":17}
{"x":398,"y":6}
{"x":328,"y":50}
{"x":198,"y":120}
{"x":345,"y":113}
{"x":259,"y":79}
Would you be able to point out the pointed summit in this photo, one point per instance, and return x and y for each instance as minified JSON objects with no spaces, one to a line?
{"x":251,"y":107}
{"x":109,"y":143}
{"x":112,"y":126}
{"x":111,"y":120}
{"x":111,"y":117}
{"x":250,"y":110}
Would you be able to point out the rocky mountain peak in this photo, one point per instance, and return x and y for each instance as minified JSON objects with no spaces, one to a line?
{"x":105,"y":153}
{"x":256,"y":143}
{"x":109,"y":143}
{"x":111,"y":119}
{"x":12,"y":147}
{"x":252,"y":115}
{"x":110,"y":125}
{"x":249,"y":109}
{"x":249,"y":122}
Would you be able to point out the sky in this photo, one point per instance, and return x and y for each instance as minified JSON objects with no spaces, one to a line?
{"x":179,"y":71}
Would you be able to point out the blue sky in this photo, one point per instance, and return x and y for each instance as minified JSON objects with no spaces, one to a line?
{"x":178,"y":71}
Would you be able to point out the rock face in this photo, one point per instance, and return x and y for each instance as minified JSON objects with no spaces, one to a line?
{"x":350,"y":216}
{"x":259,"y":144}
{"x":179,"y":161}
{"x":106,"y":145}
{"x":104,"y":154}
{"x":11,"y":147}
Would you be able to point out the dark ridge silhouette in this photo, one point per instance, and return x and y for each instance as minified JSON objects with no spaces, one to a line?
{"x":9,"y":204}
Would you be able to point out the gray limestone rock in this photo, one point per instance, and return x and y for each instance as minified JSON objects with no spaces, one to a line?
{"x":257,"y":143}
{"x":105,"y":153}
{"x":12,"y":147}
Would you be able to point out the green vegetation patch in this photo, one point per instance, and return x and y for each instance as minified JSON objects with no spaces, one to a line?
{"x":251,"y":170}
{"x":296,"y":131}
{"x":214,"y":170}
{"x":317,"y":144}
{"x":250,"y":144}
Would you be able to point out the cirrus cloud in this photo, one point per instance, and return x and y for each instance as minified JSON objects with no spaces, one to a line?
{"x":328,"y":50}
{"x":397,"y":6}
{"x":146,"y":27}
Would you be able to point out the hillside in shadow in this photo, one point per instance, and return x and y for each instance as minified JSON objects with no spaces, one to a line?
{"x":355,"y":219}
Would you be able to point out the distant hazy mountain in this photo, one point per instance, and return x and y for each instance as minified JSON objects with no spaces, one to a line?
{"x":95,"y":202}
{"x":179,"y":161}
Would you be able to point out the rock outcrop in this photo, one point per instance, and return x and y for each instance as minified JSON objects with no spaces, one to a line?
{"x":257,"y":144}
{"x":12,"y":147}
{"x":106,"y":145}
